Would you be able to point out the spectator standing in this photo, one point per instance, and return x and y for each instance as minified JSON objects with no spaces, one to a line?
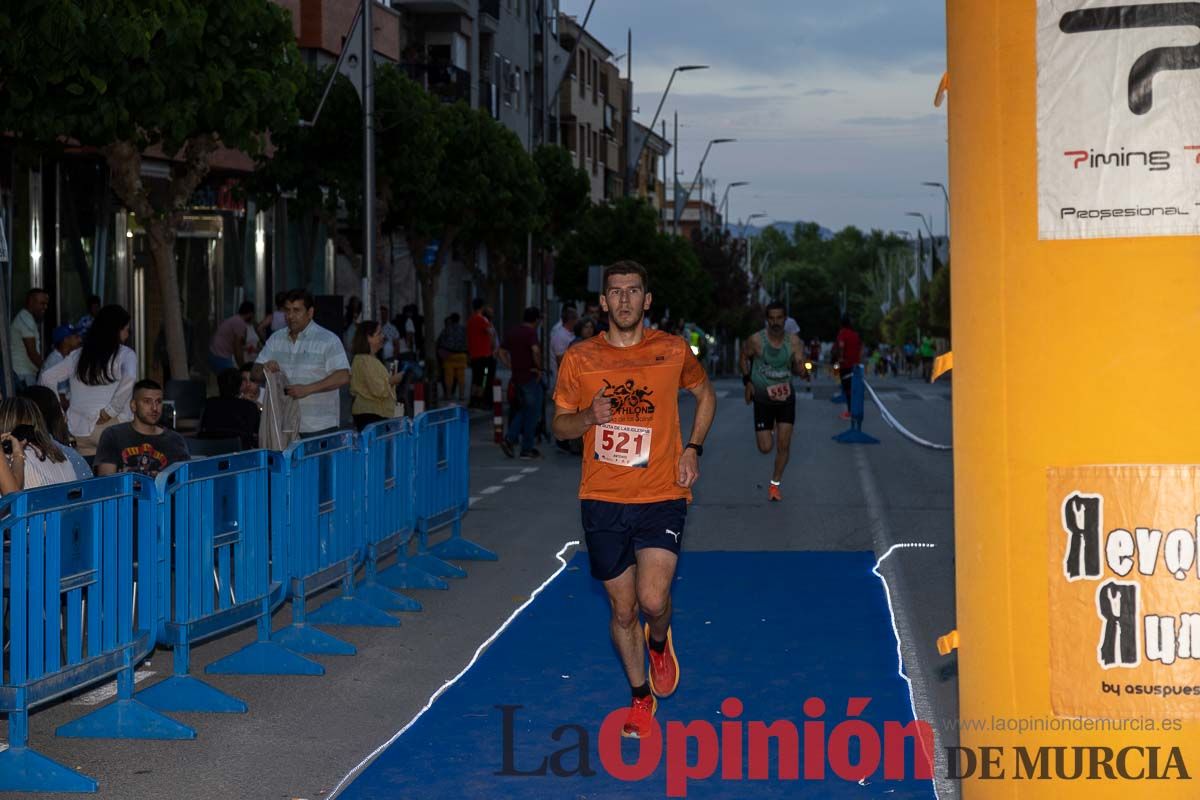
{"x":275,"y":321}
{"x":354,"y":309}
{"x":313,"y":361}
{"x":452,"y":349}
{"x":101,"y":373}
{"x":406,"y":343}
{"x":481,"y":352}
{"x":142,"y":445}
{"x":228,"y":345}
{"x":66,"y":340}
{"x":31,"y":456}
{"x":561,"y":337}
{"x":228,"y":415}
{"x":391,"y":336}
{"x":84,"y":323}
{"x":25,"y":342}
{"x":848,"y":353}
{"x":522,"y":354}
{"x":585,"y":329}
{"x":56,"y":426}
{"x":373,"y":388}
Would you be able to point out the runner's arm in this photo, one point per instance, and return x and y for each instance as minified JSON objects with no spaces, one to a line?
{"x":706,"y":409}
{"x":747,"y":355}
{"x":797,"y":355}
{"x":570,"y":424}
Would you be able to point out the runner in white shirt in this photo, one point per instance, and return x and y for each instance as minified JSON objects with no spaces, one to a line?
{"x":314,"y":362}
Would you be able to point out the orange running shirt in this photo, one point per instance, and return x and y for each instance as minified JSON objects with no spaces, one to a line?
{"x":635,"y":458}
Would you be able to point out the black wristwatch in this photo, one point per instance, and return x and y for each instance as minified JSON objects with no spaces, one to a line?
{"x":698,"y":448}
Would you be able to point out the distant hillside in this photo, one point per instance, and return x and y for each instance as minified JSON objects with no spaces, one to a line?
{"x":785,"y":228}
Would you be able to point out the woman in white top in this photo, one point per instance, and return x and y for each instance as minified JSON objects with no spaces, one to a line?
{"x":33,"y":461}
{"x":102,"y":374}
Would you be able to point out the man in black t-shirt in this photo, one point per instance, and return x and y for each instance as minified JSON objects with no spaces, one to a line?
{"x":142,"y":445}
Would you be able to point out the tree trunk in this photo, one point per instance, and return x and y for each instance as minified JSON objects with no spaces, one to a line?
{"x":125,"y":168}
{"x":161,"y":233}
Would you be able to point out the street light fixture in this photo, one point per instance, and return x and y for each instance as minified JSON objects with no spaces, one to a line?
{"x":749,"y":219}
{"x":635,"y":152}
{"x":923,"y":218}
{"x":945,"y":194}
{"x":725,"y":199}
{"x":699,"y":173}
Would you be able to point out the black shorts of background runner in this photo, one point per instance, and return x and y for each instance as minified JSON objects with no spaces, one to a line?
{"x":614,"y":532}
{"x":767,"y":414}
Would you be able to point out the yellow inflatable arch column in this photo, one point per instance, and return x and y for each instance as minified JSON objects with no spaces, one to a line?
{"x":1071,"y":351}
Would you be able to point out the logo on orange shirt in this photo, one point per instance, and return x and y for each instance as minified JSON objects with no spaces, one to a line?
{"x":629,"y":401}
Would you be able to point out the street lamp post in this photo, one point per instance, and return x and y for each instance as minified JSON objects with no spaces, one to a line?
{"x":679,"y":206}
{"x":923,"y":218}
{"x":749,"y":262}
{"x":725,"y":199}
{"x":946,"y":195}
{"x":635,"y":152}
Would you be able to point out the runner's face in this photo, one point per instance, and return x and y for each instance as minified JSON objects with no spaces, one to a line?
{"x":775,"y":321}
{"x":626,"y":301}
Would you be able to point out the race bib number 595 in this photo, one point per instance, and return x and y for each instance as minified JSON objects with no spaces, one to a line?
{"x":623,"y":445}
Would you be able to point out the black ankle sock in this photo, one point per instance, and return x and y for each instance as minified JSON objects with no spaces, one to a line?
{"x":658,"y":647}
{"x":641,"y":691}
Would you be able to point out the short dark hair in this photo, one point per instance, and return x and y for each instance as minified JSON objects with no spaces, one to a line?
{"x":532,"y":314}
{"x":569,"y":312}
{"x":775,"y":306}
{"x":34,"y":292}
{"x":454,"y":318}
{"x":229,"y":383}
{"x":148,"y":385}
{"x":246,"y":308}
{"x":301,"y":295}
{"x":477,"y":303}
{"x":625,"y":268}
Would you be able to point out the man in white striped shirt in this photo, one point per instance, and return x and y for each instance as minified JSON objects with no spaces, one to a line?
{"x":314,"y":362}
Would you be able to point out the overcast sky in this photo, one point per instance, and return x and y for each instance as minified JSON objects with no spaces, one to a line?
{"x":831,"y":101}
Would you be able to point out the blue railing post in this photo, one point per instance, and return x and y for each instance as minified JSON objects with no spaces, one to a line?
{"x":443,"y":444}
{"x":855,"y":435}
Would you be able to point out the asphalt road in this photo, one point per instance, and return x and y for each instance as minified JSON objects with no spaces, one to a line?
{"x":303,"y":735}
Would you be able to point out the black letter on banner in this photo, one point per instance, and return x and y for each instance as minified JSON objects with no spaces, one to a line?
{"x":1081,"y":521}
{"x":1118,"y":608}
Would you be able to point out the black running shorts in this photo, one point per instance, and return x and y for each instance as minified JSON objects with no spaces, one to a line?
{"x":768,"y":415}
{"x":616,"y":531}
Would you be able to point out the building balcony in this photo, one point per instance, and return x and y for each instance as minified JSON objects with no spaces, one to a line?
{"x":434,"y":6}
{"x":444,"y":81}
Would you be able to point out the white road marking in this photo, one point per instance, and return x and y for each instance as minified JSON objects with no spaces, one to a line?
{"x":491,"y":490}
{"x":530,"y":470}
{"x":472,"y":501}
{"x":906,"y":652}
{"x":97,"y":696}
{"x":514,"y":478}
{"x":433,"y":698}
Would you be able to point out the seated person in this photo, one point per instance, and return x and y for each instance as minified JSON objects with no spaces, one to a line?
{"x":30,"y":458}
{"x":56,"y":425}
{"x":141,"y":445}
{"x":230,"y":415}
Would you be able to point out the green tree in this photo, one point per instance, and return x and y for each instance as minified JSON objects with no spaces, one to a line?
{"x":566,"y":195}
{"x":124,"y":76}
{"x":628,"y":229}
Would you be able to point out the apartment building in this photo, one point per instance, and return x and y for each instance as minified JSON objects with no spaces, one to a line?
{"x":591,"y":111}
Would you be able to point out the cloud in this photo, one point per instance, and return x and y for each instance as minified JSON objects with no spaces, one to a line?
{"x":754,"y":87}
{"x":820,"y":92}
{"x":897,"y":122}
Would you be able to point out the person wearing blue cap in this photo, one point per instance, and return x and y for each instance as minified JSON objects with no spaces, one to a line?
{"x":66,"y":339}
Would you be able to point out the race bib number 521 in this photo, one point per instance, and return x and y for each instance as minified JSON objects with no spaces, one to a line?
{"x":623,"y":445}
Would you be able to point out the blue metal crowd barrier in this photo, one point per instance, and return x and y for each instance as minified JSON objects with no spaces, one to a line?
{"x":73,"y":568}
{"x":213,"y":575}
{"x":390,"y":510}
{"x":316,"y":491}
{"x":443,"y":442}
{"x":96,"y":572}
{"x":854,"y":434}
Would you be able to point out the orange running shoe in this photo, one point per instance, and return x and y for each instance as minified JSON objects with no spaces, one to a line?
{"x":773,"y":493}
{"x":640,"y":721}
{"x":664,"y":666}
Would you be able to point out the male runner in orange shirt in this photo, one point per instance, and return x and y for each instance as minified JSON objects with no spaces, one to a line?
{"x":620,"y":391}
